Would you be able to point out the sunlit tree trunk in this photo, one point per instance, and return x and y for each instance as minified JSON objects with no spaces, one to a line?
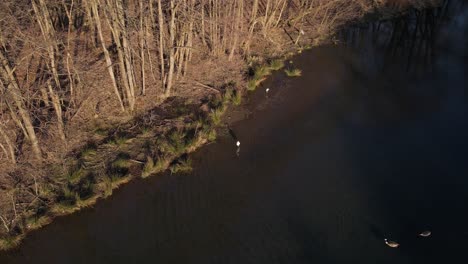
{"x":253,"y":22}
{"x":161,"y":44}
{"x":48,"y":32}
{"x":13,"y":91}
{"x":172,"y":32}
{"x":10,"y":148}
{"x":109,"y":64}
{"x":240,"y":7}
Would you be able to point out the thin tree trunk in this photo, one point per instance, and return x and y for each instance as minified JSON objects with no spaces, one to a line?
{"x":58,"y":111}
{"x":69,"y":13}
{"x":161,"y":44}
{"x":253,"y":21}
{"x":110,"y":68}
{"x":142,"y":49}
{"x":203,"y":36}
{"x":9,"y":144}
{"x":14,"y":91}
{"x":172,"y":29}
{"x":236,"y":28}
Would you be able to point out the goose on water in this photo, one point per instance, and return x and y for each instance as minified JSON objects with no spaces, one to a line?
{"x":391,"y":244}
{"x":426,"y":233}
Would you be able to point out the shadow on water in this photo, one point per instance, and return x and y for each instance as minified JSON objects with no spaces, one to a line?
{"x":409,"y":40}
{"x":418,"y":58}
{"x":377,"y":232}
{"x":232,"y":133}
{"x":369,"y":143}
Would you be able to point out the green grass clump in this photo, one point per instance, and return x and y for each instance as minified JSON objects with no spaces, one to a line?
{"x":252,"y":59}
{"x":36,"y":222}
{"x":111,"y":182}
{"x":182,"y":166}
{"x":151,"y":167}
{"x":148,"y":169}
{"x":165,"y":146}
{"x":277,"y":64}
{"x":75,"y":176}
{"x":307,"y":47}
{"x":258,"y":75}
{"x":86,"y":190}
{"x":227,"y":96}
{"x":216,"y":115}
{"x":107,"y":185}
{"x":293,"y":72}
{"x":261,"y":71}
{"x":88,"y":152}
{"x":66,"y":202}
{"x":196,"y":124}
{"x":161,"y":164}
{"x":211,"y":135}
{"x":121,"y":162}
{"x":101,"y":132}
{"x":177,"y":142}
{"x":64,"y":208}
{"x":8,"y":241}
{"x":174,"y":145}
{"x":68,"y":195}
{"x":237,"y":98}
{"x":251,"y":84}
{"x":118,"y":141}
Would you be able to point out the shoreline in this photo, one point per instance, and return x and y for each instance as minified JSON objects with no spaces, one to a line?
{"x":116,"y":158}
{"x":206,"y":130}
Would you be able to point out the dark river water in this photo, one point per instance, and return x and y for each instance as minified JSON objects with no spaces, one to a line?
{"x":370,"y":143}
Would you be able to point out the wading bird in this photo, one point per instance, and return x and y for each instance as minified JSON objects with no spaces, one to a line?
{"x":233,"y":135}
{"x":426,"y":233}
{"x":391,"y":244}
